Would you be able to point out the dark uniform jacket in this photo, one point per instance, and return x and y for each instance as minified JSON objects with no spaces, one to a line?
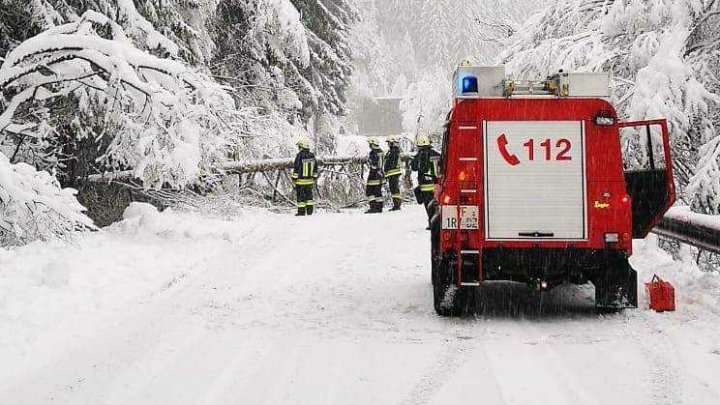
{"x":375,"y":161}
{"x":392,"y":162}
{"x":305,"y":169}
{"x":427,"y":164}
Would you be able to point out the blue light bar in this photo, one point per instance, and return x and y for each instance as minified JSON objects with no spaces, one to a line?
{"x":470,"y":84}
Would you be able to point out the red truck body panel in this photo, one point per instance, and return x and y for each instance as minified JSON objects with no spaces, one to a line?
{"x":604,"y":169}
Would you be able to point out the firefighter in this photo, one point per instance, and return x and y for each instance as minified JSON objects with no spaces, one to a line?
{"x":427,"y":165}
{"x":373,"y":191}
{"x":304,"y":174}
{"x":393,"y":171}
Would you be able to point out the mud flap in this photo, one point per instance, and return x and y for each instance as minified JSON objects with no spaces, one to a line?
{"x":616,"y":286}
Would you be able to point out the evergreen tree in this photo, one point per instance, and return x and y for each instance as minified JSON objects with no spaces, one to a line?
{"x":166,"y":88}
{"x":464,"y":41}
{"x":436,"y":27}
{"x":663,"y":58}
{"x":329,"y":26}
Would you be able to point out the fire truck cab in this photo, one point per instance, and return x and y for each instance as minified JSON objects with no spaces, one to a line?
{"x":537,"y":188}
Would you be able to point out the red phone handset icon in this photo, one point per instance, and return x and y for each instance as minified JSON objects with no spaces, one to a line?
{"x":509,"y":157}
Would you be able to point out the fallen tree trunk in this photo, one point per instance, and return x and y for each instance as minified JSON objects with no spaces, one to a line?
{"x":250,"y":167}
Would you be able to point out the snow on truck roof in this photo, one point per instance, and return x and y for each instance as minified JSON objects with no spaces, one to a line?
{"x":473,"y":82}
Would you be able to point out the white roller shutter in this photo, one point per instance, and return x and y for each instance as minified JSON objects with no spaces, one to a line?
{"x":535,"y":182}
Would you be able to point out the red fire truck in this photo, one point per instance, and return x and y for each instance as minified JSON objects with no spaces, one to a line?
{"x":536,"y":187}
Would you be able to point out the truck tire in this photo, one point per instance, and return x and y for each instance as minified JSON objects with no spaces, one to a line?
{"x":448,"y":299}
{"x":616,"y":286}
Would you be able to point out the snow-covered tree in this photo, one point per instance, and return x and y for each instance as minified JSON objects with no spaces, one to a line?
{"x":165,"y":120}
{"x":419,"y":44}
{"x":291,"y":57}
{"x":437,"y":29}
{"x":426,"y":103}
{"x":169,"y":89}
{"x":329,"y":28}
{"x":651,"y":49}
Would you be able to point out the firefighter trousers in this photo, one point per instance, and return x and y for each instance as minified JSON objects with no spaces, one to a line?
{"x":427,"y":198}
{"x":394,"y":184}
{"x":374,"y":193}
{"x":305,"y":202}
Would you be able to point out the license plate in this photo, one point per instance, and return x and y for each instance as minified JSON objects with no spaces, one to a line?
{"x":468,"y":218}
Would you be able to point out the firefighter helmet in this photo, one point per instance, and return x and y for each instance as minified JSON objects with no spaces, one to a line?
{"x":422,"y":140}
{"x":373,"y":141}
{"x":392,"y":139}
{"x":303,"y":143}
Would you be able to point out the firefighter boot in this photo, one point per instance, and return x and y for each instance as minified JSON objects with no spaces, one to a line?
{"x":371,"y":208}
{"x":396,"y":205}
{"x":310,"y":209}
{"x":379,"y":206}
{"x":375,"y":208}
{"x":301,"y":212}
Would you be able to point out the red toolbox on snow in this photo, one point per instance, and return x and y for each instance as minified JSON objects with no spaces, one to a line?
{"x":661,"y":294}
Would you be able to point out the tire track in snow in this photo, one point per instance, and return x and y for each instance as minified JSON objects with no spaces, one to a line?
{"x":456,"y":350}
{"x":548,"y":337}
{"x":658,"y":348}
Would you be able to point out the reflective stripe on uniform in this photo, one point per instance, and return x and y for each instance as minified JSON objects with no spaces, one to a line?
{"x":308,"y":167}
{"x":305,"y":182}
{"x":393,"y":172}
{"x":435,"y":161}
{"x":310,"y":203}
{"x":396,"y":196}
{"x":427,"y":187}
{"x":301,"y":204}
{"x":374,"y":182}
{"x":379,"y":199}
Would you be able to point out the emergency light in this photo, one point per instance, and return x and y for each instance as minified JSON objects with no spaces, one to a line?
{"x":469,"y":84}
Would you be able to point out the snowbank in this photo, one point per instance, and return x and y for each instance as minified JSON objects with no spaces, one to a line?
{"x":52,"y":292}
{"x":696,"y":292}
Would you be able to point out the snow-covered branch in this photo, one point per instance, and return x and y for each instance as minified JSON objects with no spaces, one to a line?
{"x":664,"y":57}
{"x":170,"y":120}
{"x":33,"y":207}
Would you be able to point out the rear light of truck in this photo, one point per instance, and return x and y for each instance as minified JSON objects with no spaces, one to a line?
{"x":467,"y":181}
{"x":467,"y":172}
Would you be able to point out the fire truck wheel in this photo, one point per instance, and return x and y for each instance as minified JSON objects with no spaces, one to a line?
{"x":616,"y":287}
{"x":448,"y":299}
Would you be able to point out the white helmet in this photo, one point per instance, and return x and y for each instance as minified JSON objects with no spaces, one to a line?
{"x":392,"y":139}
{"x":373,"y":141}
{"x":303,"y":143}
{"x":422,"y":140}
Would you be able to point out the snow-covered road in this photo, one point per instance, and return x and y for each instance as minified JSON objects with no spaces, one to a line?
{"x":264,"y":308}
